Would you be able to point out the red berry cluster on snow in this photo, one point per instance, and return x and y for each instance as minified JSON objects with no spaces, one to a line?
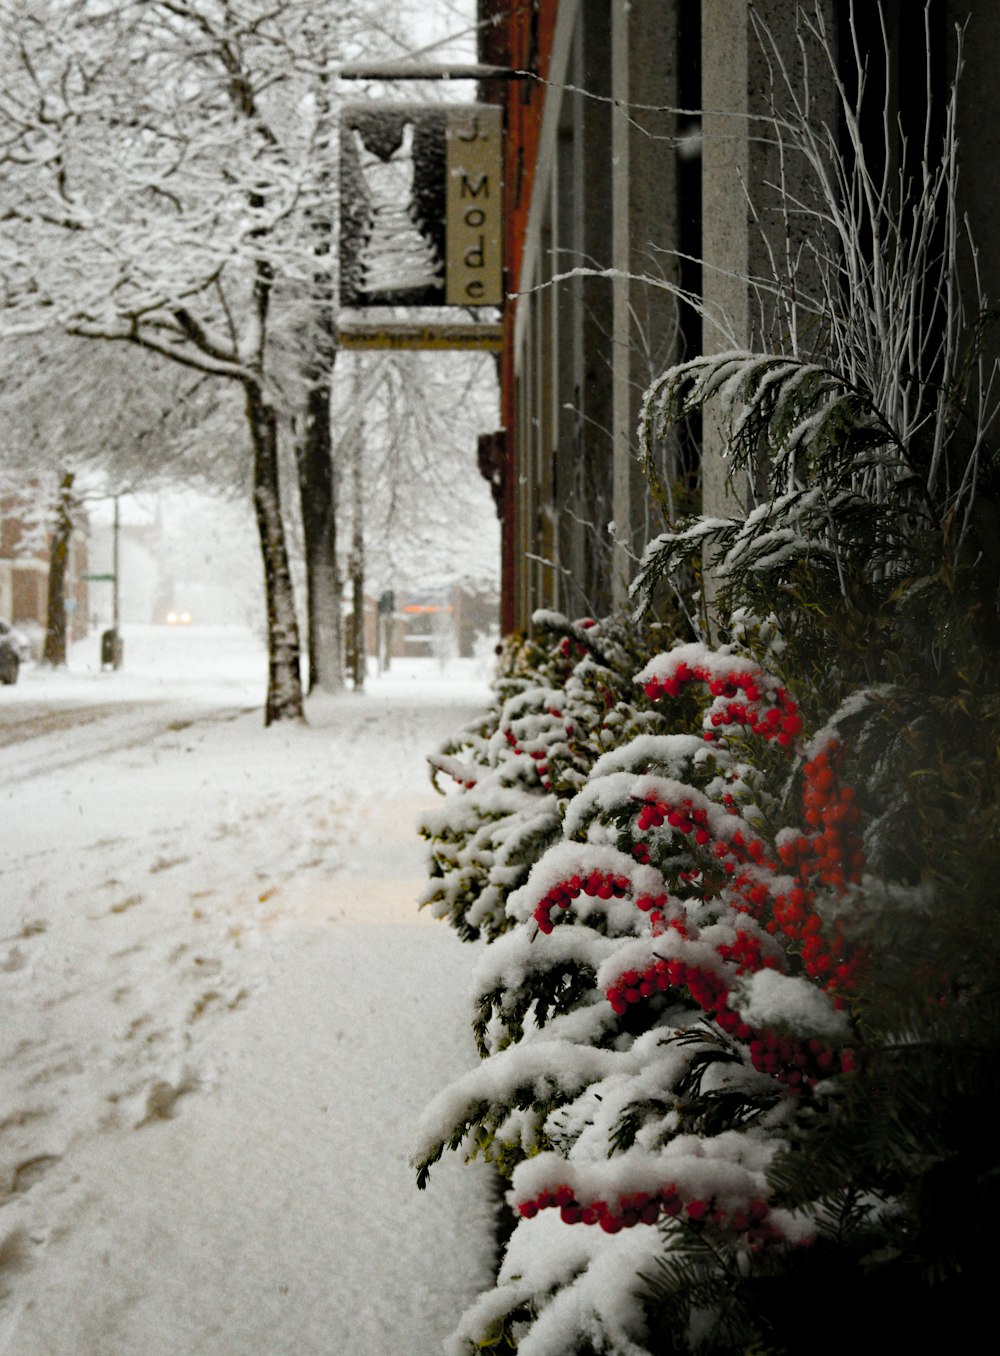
{"x":597,"y":884}
{"x":683,"y":817}
{"x":793,"y":1062}
{"x":690,"y":819}
{"x":744,"y":695}
{"x":575,"y":649}
{"x":749,"y":1219}
{"x":829,"y":856}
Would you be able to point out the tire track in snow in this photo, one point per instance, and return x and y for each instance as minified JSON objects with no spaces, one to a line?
{"x":37,"y":744}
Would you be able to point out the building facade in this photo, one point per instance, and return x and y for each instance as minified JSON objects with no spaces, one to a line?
{"x":24,"y":574}
{"x":644,"y":225}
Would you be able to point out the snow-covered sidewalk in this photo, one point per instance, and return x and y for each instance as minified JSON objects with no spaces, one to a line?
{"x":222,"y":1017}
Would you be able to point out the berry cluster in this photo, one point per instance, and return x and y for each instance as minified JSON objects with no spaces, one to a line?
{"x":742,"y":850}
{"x":745,"y":953}
{"x":705,"y":987}
{"x":781,"y":721}
{"x":671,"y":685}
{"x":690,"y":819}
{"x":599,"y":885}
{"x":831,"y":856}
{"x":575,"y":649}
{"x":750,"y":1218}
{"x":792,"y":1062}
{"x":466,"y":782}
{"x":823,"y":953}
{"x":683,"y":817}
{"x":797,"y":1063}
{"x":833,"y":853}
{"x":764,"y":706}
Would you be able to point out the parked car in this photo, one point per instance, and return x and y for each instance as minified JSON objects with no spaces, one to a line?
{"x":13,"y":652}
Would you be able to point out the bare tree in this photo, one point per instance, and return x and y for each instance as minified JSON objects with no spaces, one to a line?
{"x":429,"y":516}
{"x":82,"y":422}
{"x":164,"y":167}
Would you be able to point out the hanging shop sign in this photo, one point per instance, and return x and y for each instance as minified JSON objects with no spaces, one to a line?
{"x":421,"y":205}
{"x":473,"y":208}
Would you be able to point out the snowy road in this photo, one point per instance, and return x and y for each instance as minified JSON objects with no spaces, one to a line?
{"x":36,"y":739}
{"x":222,"y":1014}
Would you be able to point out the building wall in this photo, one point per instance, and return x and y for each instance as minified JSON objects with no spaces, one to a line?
{"x":603,"y":173}
{"x":518,"y":36}
{"x":29,"y":587}
{"x":592,"y":193}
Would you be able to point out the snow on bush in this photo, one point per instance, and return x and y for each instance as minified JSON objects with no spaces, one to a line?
{"x":665,"y":994}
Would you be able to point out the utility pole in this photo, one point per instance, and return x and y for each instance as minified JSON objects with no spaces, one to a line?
{"x":115,"y":616}
{"x":112,"y":649}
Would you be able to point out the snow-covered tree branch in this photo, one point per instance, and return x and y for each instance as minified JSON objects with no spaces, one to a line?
{"x":166,"y":172}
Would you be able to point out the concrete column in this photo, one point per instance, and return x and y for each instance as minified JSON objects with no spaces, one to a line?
{"x":731,"y":248}
{"x":749,"y":243}
{"x":644,"y":223}
{"x":592,"y":118}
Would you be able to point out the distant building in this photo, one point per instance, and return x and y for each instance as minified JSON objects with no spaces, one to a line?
{"x":24,"y":571}
{"x":437,"y":624}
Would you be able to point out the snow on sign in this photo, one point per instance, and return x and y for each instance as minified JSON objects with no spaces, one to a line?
{"x":420,"y":195}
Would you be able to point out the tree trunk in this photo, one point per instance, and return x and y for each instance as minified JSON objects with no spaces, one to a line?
{"x":284,"y":687}
{"x":358,"y":615}
{"x":54,"y":651}
{"x":314,"y":456}
{"x":318,"y":498}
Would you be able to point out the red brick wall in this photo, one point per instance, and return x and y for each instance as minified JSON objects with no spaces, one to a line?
{"x":28,"y":594}
{"x":520,"y":38}
{"x":11,"y":529}
{"x":29,"y":577}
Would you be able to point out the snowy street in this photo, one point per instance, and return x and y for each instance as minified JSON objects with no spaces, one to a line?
{"x":223,"y":1013}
